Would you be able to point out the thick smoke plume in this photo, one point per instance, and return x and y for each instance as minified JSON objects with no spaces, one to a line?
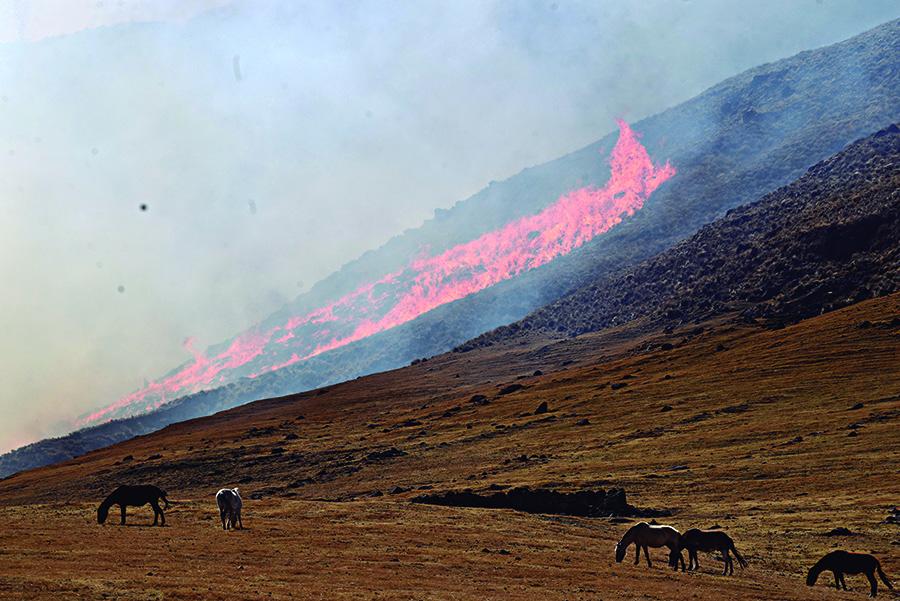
{"x":424,"y":284}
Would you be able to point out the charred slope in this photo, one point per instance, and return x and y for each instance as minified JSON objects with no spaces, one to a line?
{"x":731,"y":144}
{"x":830,"y":239}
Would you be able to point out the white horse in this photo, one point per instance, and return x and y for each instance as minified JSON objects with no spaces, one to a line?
{"x":229,"y":502}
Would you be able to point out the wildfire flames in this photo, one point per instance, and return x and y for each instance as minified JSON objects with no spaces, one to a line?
{"x":424,"y":284}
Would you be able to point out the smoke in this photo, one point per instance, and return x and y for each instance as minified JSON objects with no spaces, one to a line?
{"x":425,"y":284}
{"x":345,"y":123}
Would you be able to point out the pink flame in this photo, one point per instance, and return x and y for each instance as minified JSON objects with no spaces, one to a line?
{"x":426,"y":283}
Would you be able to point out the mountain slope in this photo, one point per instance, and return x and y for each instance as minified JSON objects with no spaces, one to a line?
{"x":779,"y":439}
{"x":830,"y":239}
{"x":736,"y":141}
{"x":754,"y":429}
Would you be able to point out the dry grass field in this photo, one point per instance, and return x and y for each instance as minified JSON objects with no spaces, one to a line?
{"x":757,"y":430}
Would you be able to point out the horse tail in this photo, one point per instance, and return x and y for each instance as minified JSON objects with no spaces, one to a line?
{"x":882,"y":575}
{"x":741,"y":560}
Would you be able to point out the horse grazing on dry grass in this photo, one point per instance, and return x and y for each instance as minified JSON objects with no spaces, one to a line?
{"x":843,"y":562}
{"x":645,"y":535}
{"x":710,"y":540}
{"x":230,"y":504}
{"x":135,"y":496}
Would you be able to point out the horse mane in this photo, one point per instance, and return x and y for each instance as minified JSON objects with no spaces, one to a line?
{"x":629,"y":534}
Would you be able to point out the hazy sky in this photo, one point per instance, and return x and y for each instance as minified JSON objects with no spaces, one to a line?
{"x":274,"y":141}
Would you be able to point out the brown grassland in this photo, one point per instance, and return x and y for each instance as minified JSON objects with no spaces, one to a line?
{"x":757,"y":430}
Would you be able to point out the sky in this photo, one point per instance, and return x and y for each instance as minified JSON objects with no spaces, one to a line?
{"x":270,"y":142}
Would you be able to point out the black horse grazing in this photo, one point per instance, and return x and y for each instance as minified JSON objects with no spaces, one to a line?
{"x":843,"y":562}
{"x":710,"y":540}
{"x":136,"y":496}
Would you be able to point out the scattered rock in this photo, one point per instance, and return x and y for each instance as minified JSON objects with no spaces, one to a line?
{"x":291,"y":436}
{"x":510,"y":388}
{"x":537,"y":372}
{"x":479,"y":399}
{"x":840,"y":531}
{"x":583,"y":422}
{"x":618,"y":385}
{"x":397,"y":490}
{"x":857,"y":406}
{"x":665,"y":408}
{"x":385,"y":454}
{"x":743,"y":407}
{"x":542,"y":408}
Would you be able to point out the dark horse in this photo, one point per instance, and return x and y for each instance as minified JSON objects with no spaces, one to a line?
{"x":842,"y":562}
{"x":136,"y":496}
{"x":710,"y":540}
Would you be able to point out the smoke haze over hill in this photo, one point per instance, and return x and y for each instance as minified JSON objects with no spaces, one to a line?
{"x":272,"y":142}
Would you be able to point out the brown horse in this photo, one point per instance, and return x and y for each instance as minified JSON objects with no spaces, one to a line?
{"x":645,"y":535}
{"x":842,"y":562}
{"x":710,"y":540}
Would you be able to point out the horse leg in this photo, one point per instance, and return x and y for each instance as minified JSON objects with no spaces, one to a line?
{"x":240,"y":521}
{"x":156,"y":512}
{"x":647,"y":555}
{"x":637,"y":553}
{"x":695,"y":559}
{"x":122,"y":507}
{"x":873,"y":582}
{"x":222,"y":517}
{"x":729,"y":562}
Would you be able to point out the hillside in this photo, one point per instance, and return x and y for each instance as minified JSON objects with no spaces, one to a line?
{"x":830,"y":239}
{"x":784,"y":436}
{"x":827,"y":240}
{"x":756,"y":430}
{"x":731,"y":144}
